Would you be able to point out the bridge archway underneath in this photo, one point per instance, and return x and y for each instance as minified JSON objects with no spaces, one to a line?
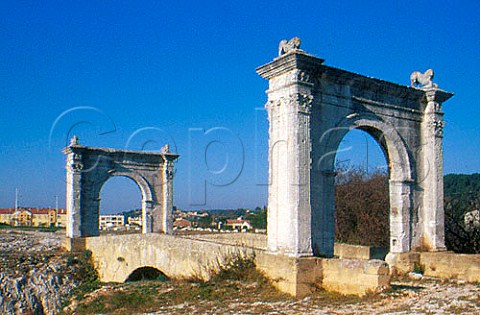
{"x":146,"y":273}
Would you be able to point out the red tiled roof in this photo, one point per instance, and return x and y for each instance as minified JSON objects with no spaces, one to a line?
{"x":40,"y":210}
{"x":182,"y":223}
{"x":237,"y":221}
{"x":32,"y":210}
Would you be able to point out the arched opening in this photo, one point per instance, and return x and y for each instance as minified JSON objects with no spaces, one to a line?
{"x":147,"y":274}
{"x":362,"y":199}
{"x":120,"y":206}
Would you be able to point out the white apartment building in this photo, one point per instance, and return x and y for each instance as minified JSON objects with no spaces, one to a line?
{"x":110,"y":221}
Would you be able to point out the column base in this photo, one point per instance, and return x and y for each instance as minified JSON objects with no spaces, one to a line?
{"x":74,"y":245}
{"x":402,"y":263}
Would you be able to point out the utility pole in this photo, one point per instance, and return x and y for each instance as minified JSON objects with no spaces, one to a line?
{"x":366,"y":142}
{"x":56,"y":203}
{"x":16,"y":199}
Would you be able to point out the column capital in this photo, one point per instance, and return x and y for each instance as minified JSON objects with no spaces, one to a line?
{"x":297,"y":59}
{"x":434,"y":98}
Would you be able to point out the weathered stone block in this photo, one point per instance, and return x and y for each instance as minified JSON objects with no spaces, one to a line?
{"x":402,"y":263}
{"x":450,"y":265}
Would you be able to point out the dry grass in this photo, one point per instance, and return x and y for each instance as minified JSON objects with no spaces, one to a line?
{"x":235,"y":280}
{"x":237,"y":285}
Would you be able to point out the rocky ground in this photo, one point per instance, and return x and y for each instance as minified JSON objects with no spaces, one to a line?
{"x":426,"y":296}
{"x":34,"y":277}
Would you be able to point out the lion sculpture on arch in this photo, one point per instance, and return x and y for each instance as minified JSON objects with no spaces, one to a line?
{"x":288,"y":46}
{"x":423,"y":80}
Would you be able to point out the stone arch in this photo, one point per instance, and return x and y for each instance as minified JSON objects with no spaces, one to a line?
{"x":397,"y":155}
{"x":145,"y":190}
{"x":141,"y":182}
{"x":89,"y":168}
{"x":395,"y":149}
{"x":310,"y":108}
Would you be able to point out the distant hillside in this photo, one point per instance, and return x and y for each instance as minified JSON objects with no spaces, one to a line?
{"x":459,"y":185}
{"x":462,"y":195}
{"x":132,"y":213}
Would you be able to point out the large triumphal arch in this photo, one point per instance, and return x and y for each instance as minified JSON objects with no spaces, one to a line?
{"x":310,"y":108}
{"x":89,"y":168}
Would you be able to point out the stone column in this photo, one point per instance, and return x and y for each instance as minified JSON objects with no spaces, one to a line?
{"x":400,"y":217}
{"x":323,"y":211}
{"x":289,"y":191}
{"x":90,"y":213}
{"x":289,"y":212}
{"x":74,"y":168}
{"x":167,"y":205}
{"x":432,"y":215}
{"x":147,"y":208}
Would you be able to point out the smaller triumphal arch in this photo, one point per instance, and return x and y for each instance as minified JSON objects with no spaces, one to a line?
{"x":311,"y":107}
{"x":89,"y":168}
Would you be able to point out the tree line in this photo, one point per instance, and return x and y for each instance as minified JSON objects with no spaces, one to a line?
{"x":362,"y":210}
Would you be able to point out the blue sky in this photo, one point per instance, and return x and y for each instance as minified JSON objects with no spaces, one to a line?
{"x":127,"y":75}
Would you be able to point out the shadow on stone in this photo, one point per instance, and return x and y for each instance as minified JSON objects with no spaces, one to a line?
{"x":400,"y":287}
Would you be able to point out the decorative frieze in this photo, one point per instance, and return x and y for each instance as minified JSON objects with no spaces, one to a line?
{"x":170,"y":171}
{"x":75,"y":164}
{"x":437,"y":126}
{"x":303,"y":101}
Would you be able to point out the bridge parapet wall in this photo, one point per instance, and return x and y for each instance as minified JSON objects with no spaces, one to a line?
{"x":117,"y":256}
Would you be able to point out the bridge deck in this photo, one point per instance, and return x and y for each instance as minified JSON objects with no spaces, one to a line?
{"x":117,"y":256}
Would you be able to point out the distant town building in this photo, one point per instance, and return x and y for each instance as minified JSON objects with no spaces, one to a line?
{"x":6,"y":216}
{"x":239,"y":224}
{"x":135,"y":220}
{"x":46,"y":217}
{"x":110,"y":221}
{"x":202,"y":214}
{"x":182,"y":224}
{"x":22,"y":217}
{"x":61,"y":218}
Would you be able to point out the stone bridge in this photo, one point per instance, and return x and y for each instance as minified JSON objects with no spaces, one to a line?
{"x":354,"y":270}
{"x":119,"y":256}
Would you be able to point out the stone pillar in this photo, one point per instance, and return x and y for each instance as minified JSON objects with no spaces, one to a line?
{"x":400,"y":217}
{"x":74,"y":168}
{"x":90,"y":213}
{"x":167,"y":205}
{"x":147,"y":208}
{"x":323,"y":211}
{"x":290,"y":97}
{"x":432,"y":214}
{"x":289,"y":168}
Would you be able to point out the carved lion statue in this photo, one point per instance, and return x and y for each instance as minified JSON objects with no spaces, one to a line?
{"x":422,"y":80}
{"x":288,"y":46}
